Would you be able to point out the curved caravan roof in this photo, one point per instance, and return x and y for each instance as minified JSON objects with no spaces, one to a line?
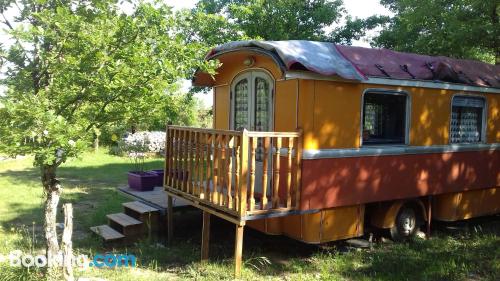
{"x":360,"y":64}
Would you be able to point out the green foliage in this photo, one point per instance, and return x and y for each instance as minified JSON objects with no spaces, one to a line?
{"x":278,"y":20}
{"x":291,"y":19}
{"x":461,"y":29}
{"x":78,"y":66}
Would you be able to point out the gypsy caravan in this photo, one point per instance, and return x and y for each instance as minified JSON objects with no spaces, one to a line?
{"x":315,"y":141}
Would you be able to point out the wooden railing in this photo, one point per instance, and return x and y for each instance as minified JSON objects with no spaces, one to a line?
{"x":240,"y":173}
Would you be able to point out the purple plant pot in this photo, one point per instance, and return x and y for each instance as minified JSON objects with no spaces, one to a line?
{"x":141,"y":181}
{"x":159,"y":176}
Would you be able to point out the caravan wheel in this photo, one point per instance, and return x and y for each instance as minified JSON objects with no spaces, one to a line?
{"x":405,"y":226}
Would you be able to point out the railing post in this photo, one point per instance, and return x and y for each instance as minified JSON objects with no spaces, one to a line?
{"x":265,"y":160}
{"x":243,"y":174}
{"x":229,"y":170}
{"x":184,"y":160}
{"x":208,"y":171}
{"x":215,"y":170}
{"x":253,"y":147}
{"x":189,"y":161}
{"x":298,"y":166}
{"x":289,"y":173}
{"x":222,"y":169}
{"x":276,"y":183}
{"x":176,"y":166}
{"x":168,"y":165}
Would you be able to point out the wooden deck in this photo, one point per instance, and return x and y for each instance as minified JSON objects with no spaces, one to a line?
{"x":235,"y":175}
{"x":156,"y":198}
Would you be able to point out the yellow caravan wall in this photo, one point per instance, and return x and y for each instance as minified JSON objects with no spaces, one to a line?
{"x":330,"y":114}
{"x":232,"y":65}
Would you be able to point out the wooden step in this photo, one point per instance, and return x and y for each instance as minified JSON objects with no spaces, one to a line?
{"x":107,"y":233}
{"x":150,"y":216}
{"x":125,"y":224}
{"x":139,"y":207}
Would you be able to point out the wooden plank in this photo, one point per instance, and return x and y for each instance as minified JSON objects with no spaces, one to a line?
{"x":196,"y":171}
{"x":238,"y":250}
{"x":275,"y":197}
{"x":167,"y":164}
{"x":215,"y":171}
{"x":205,"y":236}
{"x":189,"y":162}
{"x":243,"y":174}
{"x":208,"y":144}
{"x":201,"y":170}
{"x":184,"y":160}
{"x":222,"y":170}
{"x":139,"y":207}
{"x":178,"y":149}
{"x":229,"y":170}
{"x":274,"y":134}
{"x":298,"y":167}
{"x":237,"y":171}
{"x":253,"y":147}
{"x":205,"y":206}
{"x":210,"y":131}
{"x":175,"y":151}
{"x":265,"y":160}
{"x":170,"y":217}
{"x":106,"y":232}
{"x":197,"y":201}
{"x":123,"y":219}
{"x":289,"y":174}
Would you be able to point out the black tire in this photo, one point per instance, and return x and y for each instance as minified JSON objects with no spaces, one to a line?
{"x":406,"y":224}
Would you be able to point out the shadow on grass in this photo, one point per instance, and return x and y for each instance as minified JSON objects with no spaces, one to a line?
{"x":469,"y":253}
{"x":91,"y":189}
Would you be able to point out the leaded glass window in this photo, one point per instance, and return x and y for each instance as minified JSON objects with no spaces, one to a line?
{"x":241,"y":105}
{"x":262,"y":106}
{"x":466,"y":120}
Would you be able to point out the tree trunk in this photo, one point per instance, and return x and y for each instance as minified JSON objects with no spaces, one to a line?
{"x":52,"y":189}
{"x":67,"y":245}
{"x":96,"y":144}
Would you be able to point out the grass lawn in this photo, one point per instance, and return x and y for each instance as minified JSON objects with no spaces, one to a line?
{"x":470,"y":251}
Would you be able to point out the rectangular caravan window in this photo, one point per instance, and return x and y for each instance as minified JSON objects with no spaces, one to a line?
{"x":466,"y":120}
{"x":384,"y":118}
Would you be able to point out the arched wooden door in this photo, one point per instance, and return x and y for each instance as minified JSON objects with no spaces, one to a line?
{"x":252,"y":101}
{"x":252,"y":109}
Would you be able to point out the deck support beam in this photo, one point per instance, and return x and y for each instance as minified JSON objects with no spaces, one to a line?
{"x":429,"y":216}
{"x":205,"y":236}
{"x":238,"y":250}
{"x":170,"y":222}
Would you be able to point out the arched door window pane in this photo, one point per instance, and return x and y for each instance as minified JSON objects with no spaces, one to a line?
{"x":241,"y":105}
{"x":262,"y":104}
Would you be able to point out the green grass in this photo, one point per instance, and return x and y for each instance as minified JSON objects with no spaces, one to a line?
{"x":90,"y":183}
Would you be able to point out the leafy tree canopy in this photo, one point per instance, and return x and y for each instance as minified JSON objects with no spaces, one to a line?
{"x":291,"y":19}
{"x":455,"y":28}
{"x":76,"y":66}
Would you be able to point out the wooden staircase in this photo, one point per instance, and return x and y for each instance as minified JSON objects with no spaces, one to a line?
{"x":138,"y":220}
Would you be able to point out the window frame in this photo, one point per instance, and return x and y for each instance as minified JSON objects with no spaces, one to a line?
{"x":407,"y":120}
{"x":251,"y":73}
{"x":484,"y":119}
